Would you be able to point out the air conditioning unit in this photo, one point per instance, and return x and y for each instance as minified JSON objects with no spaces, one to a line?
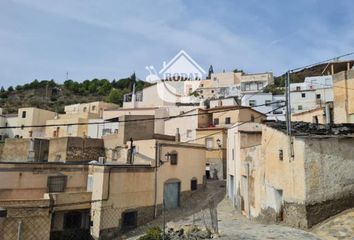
{"x":101,"y":160}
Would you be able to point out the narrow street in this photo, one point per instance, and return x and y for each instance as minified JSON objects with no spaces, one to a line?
{"x":232,"y":225}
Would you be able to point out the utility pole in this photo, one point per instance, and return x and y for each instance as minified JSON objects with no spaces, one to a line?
{"x":288,"y":116}
{"x":131,"y":151}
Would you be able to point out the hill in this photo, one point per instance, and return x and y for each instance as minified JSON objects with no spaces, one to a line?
{"x":47,"y":94}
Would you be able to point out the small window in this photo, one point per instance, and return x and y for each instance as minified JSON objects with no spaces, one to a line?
{"x":85,"y":109}
{"x":89,"y":186}
{"x":318,"y":96}
{"x":252,"y":103}
{"x":130,"y":220}
{"x":281,"y":155}
{"x":299,"y":107}
{"x":93,"y":108}
{"x":212,"y":91}
{"x":233,"y":154}
{"x":209,"y":143}
{"x":315,"y":119}
{"x":24,"y":113}
{"x":216,"y":121}
{"x":201,"y":85}
{"x":298,"y":88}
{"x":189,"y":133}
{"x":252,"y":118}
{"x":268,"y":102}
{"x":173,"y":158}
{"x":227,"y":120}
{"x":201,"y":91}
{"x":72,"y":220}
{"x":303,"y":95}
{"x":56,"y":183}
{"x":194,"y":184}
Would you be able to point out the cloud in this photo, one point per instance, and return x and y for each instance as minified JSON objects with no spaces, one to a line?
{"x":113,"y":38}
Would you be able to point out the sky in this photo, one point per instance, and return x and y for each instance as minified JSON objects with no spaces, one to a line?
{"x":41,"y":39}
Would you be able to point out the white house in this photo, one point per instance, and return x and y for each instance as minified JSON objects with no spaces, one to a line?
{"x":269,"y":104}
{"x":97,"y":128}
{"x":312,"y":93}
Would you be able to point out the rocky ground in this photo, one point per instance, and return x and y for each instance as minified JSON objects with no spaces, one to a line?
{"x":337,"y":227}
{"x":232,"y":225}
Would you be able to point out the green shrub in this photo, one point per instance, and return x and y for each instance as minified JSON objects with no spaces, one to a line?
{"x":153,"y":233}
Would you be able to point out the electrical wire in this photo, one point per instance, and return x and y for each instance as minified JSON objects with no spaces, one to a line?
{"x":135,"y":120}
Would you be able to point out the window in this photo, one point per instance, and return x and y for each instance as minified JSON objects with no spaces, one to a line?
{"x":69,"y":130}
{"x":315,"y":119}
{"x":233,"y":154}
{"x":299,"y":107}
{"x":194,"y":184}
{"x":268,"y":102}
{"x":114,"y":155}
{"x":212,"y":91}
{"x":201,"y":91}
{"x":252,"y":118}
{"x":24,"y":113}
{"x":173,"y":158}
{"x":227,"y":120}
{"x":216,"y":121}
{"x":303,"y":95}
{"x":129,"y":220}
{"x":259,"y":86}
{"x":72,"y":220}
{"x":318,"y":96}
{"x":56,"y":183}
{"x":298,"y":88}
{"x":89,"y":186}
{"x":93,"y":108}
{"x":189,"y":133}
{"x":252,"y":103}
{"x":201,"y":85}
{"x":209,"y":143}
{"x":281,"y":155}
{"x":85,"y":109}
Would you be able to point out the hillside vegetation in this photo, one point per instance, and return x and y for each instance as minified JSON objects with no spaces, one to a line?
{"x":47,"y":94}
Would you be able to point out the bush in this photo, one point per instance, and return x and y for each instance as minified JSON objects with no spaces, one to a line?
{"x":153,"y":233}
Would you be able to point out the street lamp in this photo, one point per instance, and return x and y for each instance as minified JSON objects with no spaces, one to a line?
{"x":218,"y":141}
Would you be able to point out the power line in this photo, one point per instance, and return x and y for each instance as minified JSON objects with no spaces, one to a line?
{"x":135,"y":120}
{"x":321,"y":62}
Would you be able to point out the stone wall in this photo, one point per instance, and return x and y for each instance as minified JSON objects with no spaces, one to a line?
{"x":84,"y":149}
{"x":76,"y":149}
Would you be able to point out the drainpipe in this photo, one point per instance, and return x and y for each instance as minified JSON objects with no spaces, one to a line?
{"x":248,"y":191}
{"x":157,"y":157}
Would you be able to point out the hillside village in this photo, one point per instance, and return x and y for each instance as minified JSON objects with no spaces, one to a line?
{"x":99,"y":170}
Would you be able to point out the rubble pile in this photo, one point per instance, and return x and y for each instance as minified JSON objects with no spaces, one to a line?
{"x":308,"y":129}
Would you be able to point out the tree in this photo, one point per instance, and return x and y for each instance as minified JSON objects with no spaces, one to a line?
{"x":211,"y":71}
{"x":238,"y":70}
{"x":2,"y":89}
{"x":115,"y":96}
{"x":10,"y":89}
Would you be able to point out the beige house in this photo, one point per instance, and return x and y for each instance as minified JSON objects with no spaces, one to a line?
{"x":187,"y":124}
{"x":162,"y":171}
{"x":214,"y":136}
{"x":343,"y":91}
{"x":29,"y":117}
{"x":24,"y":150}
{"x":67,"y":125}
{"x":302,"y":187}
{"x":44,"y":201}
{"x":160,"y":113}
{"x":316,"y":115}
{"x":92,"y":107}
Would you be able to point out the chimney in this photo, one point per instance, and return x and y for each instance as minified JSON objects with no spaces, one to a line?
{"x":178,"y":136}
